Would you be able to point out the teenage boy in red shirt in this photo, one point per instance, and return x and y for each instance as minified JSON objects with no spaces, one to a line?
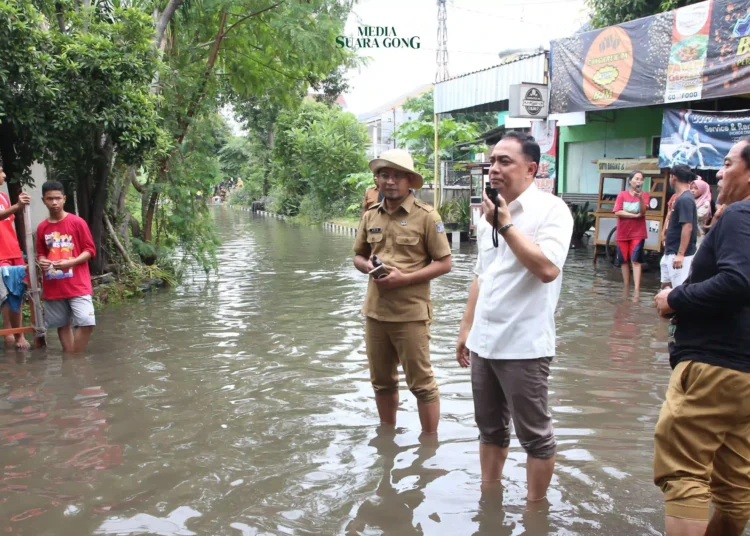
{"x":10,"y":255}
{"x":64,"y":248}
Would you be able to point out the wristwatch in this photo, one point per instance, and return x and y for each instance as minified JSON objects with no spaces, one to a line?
{"x":504,"y":228}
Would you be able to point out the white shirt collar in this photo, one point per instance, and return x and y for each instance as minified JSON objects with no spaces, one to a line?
{"x":526,"y":198}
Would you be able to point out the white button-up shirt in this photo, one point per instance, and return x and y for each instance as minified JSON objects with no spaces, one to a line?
{"x":515,"y":312}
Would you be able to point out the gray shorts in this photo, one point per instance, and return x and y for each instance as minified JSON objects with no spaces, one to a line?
{"x":516,"y":389}
{"x":78,"y":311}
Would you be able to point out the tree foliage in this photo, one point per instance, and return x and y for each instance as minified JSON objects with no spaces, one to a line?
{"x":456,"y":136}
{"x":76,"y":98}
{"x":610,"y":12}
{"x":240,"y":51}
{"x":316,"y":149}
{"x":122,"y":95}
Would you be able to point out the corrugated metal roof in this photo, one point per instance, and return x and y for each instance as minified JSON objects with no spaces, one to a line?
{"x":487,"y":86}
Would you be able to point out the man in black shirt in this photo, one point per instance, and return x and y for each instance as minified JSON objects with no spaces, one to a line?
{"x":702,"y":450}
{"x":682,"y":232}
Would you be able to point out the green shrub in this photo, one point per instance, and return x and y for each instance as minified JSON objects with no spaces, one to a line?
{"x":456,"y":211}
{"x":582,"y":220}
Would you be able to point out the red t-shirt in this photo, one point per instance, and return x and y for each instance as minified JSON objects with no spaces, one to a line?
{"x":65,"y":239}
{"x":9,"y":248}
{"x":631,"y":228}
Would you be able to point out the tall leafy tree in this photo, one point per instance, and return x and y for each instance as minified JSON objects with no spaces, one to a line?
{"x":84,"y":98}
{"x":455,"y":134}
{"x":240,"y":49}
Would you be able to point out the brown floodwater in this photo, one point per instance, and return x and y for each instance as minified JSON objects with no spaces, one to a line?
{"x":241,"y":405}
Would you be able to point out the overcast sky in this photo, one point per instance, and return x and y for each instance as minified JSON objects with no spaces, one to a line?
{"x":477,"y":31}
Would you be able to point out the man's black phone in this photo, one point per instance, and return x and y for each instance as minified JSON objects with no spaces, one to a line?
{"x":492,"y":194}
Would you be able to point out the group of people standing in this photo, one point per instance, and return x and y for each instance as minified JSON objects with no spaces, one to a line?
{"x":689,"y":216}
{"x":64,"y":247}
{"x":507,"y":334}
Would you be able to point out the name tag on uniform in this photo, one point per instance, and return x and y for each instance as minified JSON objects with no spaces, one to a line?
{"x":375,"y":230}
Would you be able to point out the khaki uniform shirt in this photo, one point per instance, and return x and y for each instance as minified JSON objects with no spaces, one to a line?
{"x":409,"y":239}
{"x":371,"y":198}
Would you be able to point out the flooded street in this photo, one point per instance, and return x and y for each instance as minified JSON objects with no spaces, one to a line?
{"x":242,"y":406}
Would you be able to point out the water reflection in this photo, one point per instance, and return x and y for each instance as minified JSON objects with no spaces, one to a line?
{"x":241,"y":405}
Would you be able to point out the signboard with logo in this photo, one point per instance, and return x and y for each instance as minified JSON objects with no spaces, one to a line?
{"x":700,"y":139}
{"x":696,"y":52}
{"x":529,"y":101}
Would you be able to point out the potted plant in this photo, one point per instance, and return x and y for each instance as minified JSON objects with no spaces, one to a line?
{"x":583,"y":220}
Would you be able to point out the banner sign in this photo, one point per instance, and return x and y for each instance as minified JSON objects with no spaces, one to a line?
{"x":701,"y":51}
{"x":687,"y":58}
{"x":700,"y":139}
{"x":545,"y":134}
{"x":647,"y":166}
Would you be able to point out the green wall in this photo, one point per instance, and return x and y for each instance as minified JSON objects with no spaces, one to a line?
{"x":619,"y":125}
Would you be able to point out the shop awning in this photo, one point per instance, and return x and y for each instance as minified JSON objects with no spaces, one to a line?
{"x":488,"y":90}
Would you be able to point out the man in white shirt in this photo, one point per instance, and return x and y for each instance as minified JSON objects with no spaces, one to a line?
{"x":508,"y":329}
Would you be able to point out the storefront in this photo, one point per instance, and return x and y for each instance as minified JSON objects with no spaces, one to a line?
{"x":628,"y":79}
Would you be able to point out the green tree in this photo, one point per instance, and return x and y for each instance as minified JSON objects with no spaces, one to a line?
{"x":76,"y":95}
{"x":424,"y":106}
{"x":610,"y":12}
{"x":316,"y":151}
{"x":236,"y":50}
{"x":455,"y":134}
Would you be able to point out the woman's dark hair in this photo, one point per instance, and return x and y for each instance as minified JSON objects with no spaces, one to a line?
{"x":683,"y":174}
{"x":632,"y":175}
{"x":52,"y":186}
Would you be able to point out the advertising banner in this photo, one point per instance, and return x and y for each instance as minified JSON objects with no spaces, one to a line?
{"x":545,"y":134}
{"x":687,"y":58}
{"x":700,"y":139}
{"x":697,"y":52}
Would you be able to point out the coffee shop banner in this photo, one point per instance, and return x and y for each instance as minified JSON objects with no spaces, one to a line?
{"x":701,"y":51}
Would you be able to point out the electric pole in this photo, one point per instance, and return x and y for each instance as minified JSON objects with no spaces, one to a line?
{"x":442,"y":43}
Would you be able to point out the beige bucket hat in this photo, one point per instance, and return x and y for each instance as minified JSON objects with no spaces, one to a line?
{"x":401,"y":160}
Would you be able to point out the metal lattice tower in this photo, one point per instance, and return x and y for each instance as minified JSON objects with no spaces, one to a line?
{"x":442,"y":43}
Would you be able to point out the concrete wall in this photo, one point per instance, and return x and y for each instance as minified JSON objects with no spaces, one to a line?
{"x":628,"y":124}
{"x":38,"y":210}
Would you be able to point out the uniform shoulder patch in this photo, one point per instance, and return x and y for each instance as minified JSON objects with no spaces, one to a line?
{"x":424,"y":206}
{"x":439,"y":227}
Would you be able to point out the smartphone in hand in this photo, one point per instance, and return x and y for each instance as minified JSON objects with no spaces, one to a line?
{"x":378,"y":272}
{"x":491,"y":193}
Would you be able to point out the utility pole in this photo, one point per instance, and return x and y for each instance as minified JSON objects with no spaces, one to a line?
{"x":441,"y":74}
{"x":441,"y":57}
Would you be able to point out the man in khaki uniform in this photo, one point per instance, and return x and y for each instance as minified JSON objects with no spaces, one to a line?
{"x":407,"y":235}
{"x":372,"y":197}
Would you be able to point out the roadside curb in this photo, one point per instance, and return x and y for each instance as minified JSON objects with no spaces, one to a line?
{"x":328,"y":226}
{"x":336,"y":228}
